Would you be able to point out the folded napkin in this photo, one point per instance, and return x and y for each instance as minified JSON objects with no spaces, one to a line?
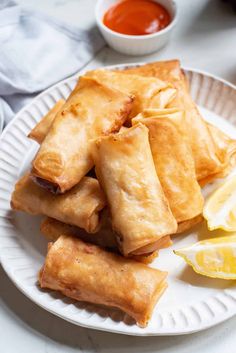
{"x":36,"y":52}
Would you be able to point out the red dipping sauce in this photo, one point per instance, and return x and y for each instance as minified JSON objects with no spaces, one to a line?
{"x":136,"y":17}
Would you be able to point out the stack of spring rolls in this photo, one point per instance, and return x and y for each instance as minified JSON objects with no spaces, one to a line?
{"x":119,"y":170}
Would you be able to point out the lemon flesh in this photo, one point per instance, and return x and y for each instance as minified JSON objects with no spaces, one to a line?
{"x":213,"y":258}
{"x":220,"y":208}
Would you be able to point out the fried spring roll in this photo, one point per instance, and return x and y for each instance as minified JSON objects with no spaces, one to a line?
{"x":105,"y":237}
{"x":226,"y":153}
{"x":40,"y":131}
{"x":161,"y":243}
{"x":210,"y":160}
{"x":53,"y":228}
{"x":140,"y":212}
{"x":92,"y":110}
{"x":86,"y":272}
{"x":173,"y":160}
{"x":149,"y":92}
{"x":79,"y":206}
{"x":187,"y":225}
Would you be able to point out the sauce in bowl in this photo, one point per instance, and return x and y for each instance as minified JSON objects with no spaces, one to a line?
{"x":136,"y":17}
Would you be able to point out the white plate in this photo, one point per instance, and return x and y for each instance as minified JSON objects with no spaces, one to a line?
{"x":191,"y":303}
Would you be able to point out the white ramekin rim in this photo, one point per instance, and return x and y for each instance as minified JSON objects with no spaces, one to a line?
{"x":138,"y":37}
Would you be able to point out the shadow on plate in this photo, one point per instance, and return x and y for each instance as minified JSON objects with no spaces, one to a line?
{"x":189,"y":276}
{"x":203,"y":233}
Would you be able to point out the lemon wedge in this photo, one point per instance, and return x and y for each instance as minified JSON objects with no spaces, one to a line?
{"x":213,"y":258}
{"x":220,"y":208}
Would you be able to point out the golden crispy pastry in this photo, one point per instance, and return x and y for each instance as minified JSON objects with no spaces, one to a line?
{"x":169,"y":71}
{"x":123,"y":128}
{"x":149,"y":92}
{"x":79,"y":206}
{"x":226,"y":152}
{"x":41,"y":129}
{"x":145,"y":258}
{"x":161,"y":243}
{"x":187,"y":225}
{"x":173,"y":160}
{"x":105,"y":237}
{"x":92,"y":110}
{"x":140,"y":212}
{"x":210,"y":160}
{"x":86,"y":272}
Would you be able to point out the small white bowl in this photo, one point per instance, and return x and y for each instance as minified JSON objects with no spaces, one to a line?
{"x":135,"y":45}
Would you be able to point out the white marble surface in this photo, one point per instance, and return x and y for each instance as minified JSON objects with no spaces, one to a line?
{"x":206,"y":39}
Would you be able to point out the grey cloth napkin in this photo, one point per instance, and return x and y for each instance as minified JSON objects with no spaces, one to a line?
{"x":37,"y":51}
